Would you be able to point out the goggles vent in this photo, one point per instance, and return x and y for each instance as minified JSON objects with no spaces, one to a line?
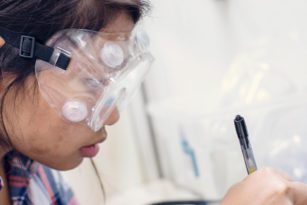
{"x":112,"y":54}
{"x":74,"y":111}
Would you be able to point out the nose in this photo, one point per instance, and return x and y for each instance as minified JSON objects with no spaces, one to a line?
{"x":113,"y":118}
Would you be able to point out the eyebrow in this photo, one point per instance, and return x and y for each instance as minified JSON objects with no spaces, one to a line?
{"x":134,"y":8}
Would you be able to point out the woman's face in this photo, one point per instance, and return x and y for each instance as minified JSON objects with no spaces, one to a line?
{"x":39,"y":132}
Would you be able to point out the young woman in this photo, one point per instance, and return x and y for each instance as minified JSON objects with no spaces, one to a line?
{"x":66,"y":69}
{"x":61,"y":62}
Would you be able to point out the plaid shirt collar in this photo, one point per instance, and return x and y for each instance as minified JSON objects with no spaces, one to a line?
{"x":19,"y":169}
{"x":31,"y":183}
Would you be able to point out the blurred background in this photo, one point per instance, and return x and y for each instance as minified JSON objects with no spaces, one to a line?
{"x":214,"y":59}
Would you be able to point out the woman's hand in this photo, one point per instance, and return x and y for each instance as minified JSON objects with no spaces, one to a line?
{"x":267,"y":187}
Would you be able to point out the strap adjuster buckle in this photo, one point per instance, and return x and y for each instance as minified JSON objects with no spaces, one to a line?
{"x":27,"y":46}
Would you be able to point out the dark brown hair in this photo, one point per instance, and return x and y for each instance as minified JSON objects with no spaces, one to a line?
{"x":42,"y":19}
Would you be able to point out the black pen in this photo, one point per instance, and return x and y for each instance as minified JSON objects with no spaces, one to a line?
{"x":246,"y":148}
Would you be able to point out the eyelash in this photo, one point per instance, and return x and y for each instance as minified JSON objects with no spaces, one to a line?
{"x":92,"y":84}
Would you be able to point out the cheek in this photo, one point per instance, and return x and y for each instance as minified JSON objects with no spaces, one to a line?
{"x":50,"y":141}
{"x":43,"y":140}
{"x":40,"y":130}
{"x":40,"y":134}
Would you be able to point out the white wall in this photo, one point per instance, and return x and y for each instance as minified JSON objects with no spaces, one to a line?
{"x":196,"y":42}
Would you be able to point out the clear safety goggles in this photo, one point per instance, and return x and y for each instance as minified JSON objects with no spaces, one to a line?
{"x":92,"y":74}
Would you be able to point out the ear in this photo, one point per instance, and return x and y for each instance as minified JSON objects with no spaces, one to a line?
{"x":2,"y":41}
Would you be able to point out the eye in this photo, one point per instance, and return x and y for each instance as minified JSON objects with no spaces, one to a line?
{"x":92,"y":83}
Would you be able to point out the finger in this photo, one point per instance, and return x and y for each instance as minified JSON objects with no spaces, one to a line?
{"x":284,"y":175}
{"x":298,"y":193}
{"x":268,"y":171}
{"x":277,"y":172}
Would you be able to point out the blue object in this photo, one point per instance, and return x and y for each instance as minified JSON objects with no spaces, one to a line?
{"x":187,"y":149}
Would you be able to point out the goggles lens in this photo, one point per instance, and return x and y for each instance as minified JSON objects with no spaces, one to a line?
{"x":103,"y":74}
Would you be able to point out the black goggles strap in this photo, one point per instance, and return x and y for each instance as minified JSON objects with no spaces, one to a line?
{"x":30,"y":48}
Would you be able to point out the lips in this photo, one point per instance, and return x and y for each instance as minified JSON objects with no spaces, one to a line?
{"x":89,"y":151}
{"x":93,"y":149}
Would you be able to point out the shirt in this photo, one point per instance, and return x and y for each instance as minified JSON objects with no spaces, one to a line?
{"x":31,"y":183}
